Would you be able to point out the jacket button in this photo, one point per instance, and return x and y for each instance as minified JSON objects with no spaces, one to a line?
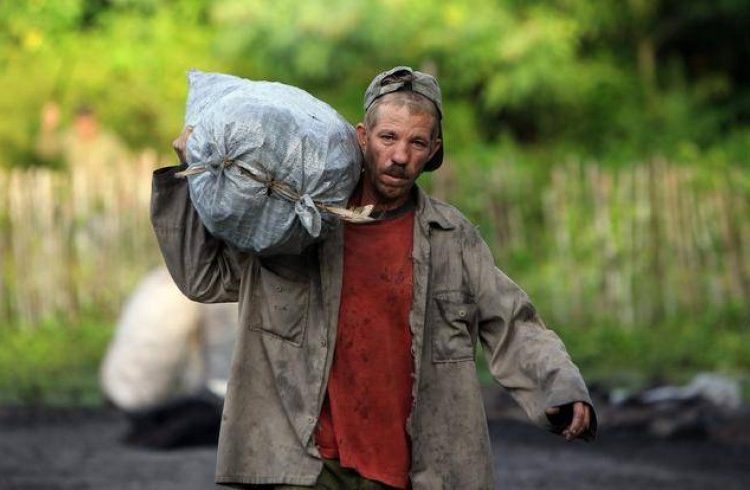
{"x":323,"y":342}
{"x":462,"y":313}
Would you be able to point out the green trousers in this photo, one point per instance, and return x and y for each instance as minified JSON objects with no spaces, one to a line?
{"x":335,"y":477}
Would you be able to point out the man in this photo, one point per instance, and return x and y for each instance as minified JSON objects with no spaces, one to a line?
{"x":167,"y":365}
{"x":354,"y":365}
{"x":85,"y":145}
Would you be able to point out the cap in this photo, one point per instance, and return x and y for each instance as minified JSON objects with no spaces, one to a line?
{"x":404,"y":78}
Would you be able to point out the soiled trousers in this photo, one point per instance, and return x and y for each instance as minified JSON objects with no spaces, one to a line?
{"x":335,"y":477}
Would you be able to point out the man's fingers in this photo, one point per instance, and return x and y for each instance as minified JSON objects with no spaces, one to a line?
{"x":580,"y":422}
{"x":570,"y":420}
{"x":587,"y":419}
{"x":180,"y":144}
{"x":176,"y":145}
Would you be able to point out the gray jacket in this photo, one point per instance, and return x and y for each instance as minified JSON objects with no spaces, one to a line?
{"x":288,"y":312}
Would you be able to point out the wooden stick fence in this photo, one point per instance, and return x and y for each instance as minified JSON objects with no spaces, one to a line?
{"x":633,"y":245}
{"x":72,"y":241}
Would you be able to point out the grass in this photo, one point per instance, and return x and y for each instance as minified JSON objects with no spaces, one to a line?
{"x":672,"y":350}
{"x":668,"y":352}
{"x":55,"y":363}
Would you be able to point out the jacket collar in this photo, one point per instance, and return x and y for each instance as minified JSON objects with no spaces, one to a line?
{"x":428,"y":214}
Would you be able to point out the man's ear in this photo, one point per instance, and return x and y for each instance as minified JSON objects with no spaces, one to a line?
{"x":435,"y":147}
{"x":361,"y":136}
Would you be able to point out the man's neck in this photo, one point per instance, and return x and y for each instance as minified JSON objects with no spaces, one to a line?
{"x":392,"y":209}
{"x":379,"y":205}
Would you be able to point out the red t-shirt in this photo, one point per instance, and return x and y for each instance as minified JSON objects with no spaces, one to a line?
{"x":363,"y":421}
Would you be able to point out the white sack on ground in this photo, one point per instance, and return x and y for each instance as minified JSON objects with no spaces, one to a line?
{"x":252,"y":135}
{"x":166,"y":346}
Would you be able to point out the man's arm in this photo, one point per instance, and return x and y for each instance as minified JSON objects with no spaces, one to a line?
{"x":523,"y":355}
{"x":204,"y":268}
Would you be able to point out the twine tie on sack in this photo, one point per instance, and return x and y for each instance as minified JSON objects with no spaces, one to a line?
{"x":303,"y":203}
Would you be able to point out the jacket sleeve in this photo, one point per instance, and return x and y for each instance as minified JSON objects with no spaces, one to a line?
{"x":523,"y":355}
{"x":204,"y":268}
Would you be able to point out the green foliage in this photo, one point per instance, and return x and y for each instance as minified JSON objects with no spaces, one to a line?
{"x":590,"y":78}
{"x":593,"y":79}
{"x":669,"y":352}
{"x":674,"y":350}
{"x":529,"y":85}
{"x":127,"y":59}
{"x":635,"y":267}
{"x":53,"y":363}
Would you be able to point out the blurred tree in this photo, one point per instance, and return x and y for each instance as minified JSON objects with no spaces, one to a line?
{"x":612,"y":77}
{"x":126,"y":58}
{"x":597,"y":77}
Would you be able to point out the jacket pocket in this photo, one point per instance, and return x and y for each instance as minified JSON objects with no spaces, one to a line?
{"x":283,"y":305}
{"x":452,"y":339}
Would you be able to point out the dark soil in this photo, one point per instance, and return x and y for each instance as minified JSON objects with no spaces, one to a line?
{"x":81,"y":449}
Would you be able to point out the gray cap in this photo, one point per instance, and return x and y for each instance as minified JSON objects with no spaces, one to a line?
{"x":404,"y":78}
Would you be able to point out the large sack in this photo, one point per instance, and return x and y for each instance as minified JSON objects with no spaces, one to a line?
{"x":166,"y":346}
{"x":267,"y":162}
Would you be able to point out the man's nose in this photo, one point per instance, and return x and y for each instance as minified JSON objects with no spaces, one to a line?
{"x":400,"y":154}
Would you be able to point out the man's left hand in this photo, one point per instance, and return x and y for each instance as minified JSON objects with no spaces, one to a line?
{"x":179,"y":145}
{"x":580,"y":421}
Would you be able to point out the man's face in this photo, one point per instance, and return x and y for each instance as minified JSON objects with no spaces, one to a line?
{"x":86,"y":126}
{"x":396,"y":150}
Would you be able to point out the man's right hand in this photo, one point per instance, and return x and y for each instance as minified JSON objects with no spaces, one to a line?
{"x":572,"y":420}
{"x":180,"y":144}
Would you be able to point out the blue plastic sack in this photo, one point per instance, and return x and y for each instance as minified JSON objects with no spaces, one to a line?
{"x":265,"y":161}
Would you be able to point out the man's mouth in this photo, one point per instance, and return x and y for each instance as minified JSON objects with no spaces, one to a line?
{"x":392,"y":178}
{"x":396,"y":172}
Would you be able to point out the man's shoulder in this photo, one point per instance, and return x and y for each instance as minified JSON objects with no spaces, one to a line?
{"x":447,"y":215}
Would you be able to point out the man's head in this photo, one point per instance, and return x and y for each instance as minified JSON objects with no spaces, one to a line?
{"x":402,"y":133}
{"x":85,"y":122}
{"x":404,"y":79}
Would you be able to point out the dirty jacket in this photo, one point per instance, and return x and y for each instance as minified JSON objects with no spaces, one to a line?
{"x":288,"y":313}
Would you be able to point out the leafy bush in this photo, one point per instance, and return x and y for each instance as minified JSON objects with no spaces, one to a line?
{"x":53,"y":363}
{"x":594,"y":79}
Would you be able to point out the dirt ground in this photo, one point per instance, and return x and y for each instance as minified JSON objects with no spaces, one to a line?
{"x":80,"y":449}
